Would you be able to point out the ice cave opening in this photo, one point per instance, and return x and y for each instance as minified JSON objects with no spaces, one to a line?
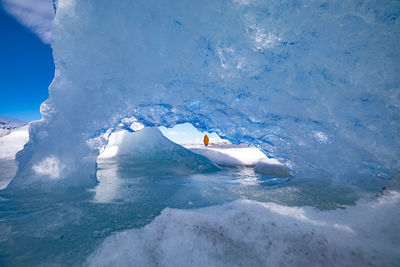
{"x":176,"y":151}
{"x":312,"y":84}
{"x":246,"y":70}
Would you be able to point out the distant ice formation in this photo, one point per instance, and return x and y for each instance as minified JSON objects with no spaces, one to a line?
{"x":149,"y":144}
{"x":314,"y":84}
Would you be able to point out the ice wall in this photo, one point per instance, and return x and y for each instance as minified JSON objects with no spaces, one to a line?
{"x":314,"y":83}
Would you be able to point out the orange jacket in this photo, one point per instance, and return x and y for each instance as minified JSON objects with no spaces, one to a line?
{"x":206,"y":140}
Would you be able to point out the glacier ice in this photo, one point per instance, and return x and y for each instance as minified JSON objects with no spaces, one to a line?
{"x":314,"y":84}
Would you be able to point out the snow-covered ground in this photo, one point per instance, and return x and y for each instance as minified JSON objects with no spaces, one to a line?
{"x":10,"y":144}
{"x":232,"y":155}
{"x":8,"y":124}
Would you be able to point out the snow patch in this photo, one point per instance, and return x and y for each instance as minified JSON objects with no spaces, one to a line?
{"x":10,"y":144}
{"x":8,"y":124}
{"x":250,"y":233}
{"x":231,"y":155}
{"x":13,"y":142}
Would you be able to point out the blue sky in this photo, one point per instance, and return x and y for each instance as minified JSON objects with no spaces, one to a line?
{"x":26,"y":70}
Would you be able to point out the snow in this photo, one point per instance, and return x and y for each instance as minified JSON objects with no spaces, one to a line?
{"x":250,"y":233}
{"x":13,"y":142}
{"x":231,"y":155}
{"x":9,"y":146}
{"x":7,"y":124}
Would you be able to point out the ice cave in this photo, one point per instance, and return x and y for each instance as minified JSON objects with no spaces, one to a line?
{"x":313,"y":86}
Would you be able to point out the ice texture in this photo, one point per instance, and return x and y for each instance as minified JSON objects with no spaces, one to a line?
{"x":315,"y":84}
{"x":251,"y":233}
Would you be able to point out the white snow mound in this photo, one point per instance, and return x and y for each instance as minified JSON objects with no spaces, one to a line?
{"x":250,"y":233}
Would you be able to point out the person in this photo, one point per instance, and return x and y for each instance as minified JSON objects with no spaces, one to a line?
{"x":206,"y":140}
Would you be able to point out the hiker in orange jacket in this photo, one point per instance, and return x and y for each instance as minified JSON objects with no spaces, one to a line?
{"x":206,"y":140}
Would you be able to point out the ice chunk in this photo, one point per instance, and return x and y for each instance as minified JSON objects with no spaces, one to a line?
{"x":314,"y":84}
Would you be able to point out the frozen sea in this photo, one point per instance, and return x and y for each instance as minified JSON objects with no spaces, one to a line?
{"x":147,"y":212}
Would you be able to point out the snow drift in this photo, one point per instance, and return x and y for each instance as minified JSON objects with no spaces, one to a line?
{"x":9,"y":124}
{"x":250,"y":233}
{"x":10,"y":144}
{"x":314,"y":84}
{"x":236,"y":156}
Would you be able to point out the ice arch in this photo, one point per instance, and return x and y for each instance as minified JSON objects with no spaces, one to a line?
{"x":312,"y":82}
